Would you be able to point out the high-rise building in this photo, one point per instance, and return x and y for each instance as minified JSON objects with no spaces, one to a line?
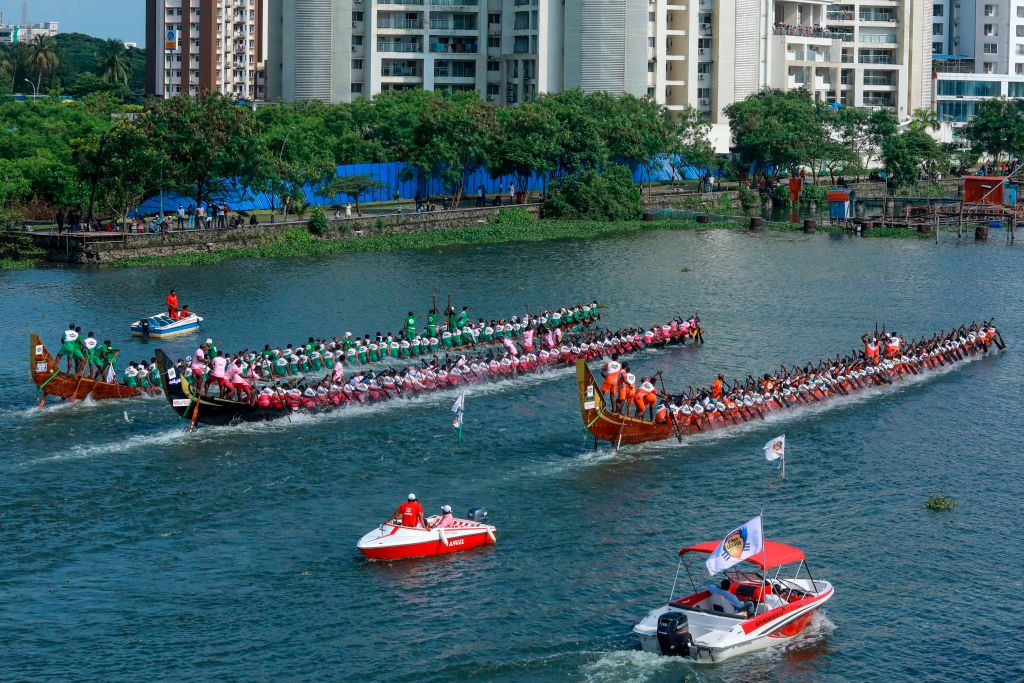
{"x":12,"y":35}
{"x":195,"y":46}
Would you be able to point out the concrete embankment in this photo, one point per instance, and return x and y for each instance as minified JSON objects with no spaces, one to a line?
{"x":105,"y":247}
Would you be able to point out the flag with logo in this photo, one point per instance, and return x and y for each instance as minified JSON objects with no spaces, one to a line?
{"x":459,"y":408}
{"x":738,"y":545}
{"x":775,"y":449}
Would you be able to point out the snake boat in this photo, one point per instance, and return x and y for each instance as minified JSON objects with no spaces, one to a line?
{"x":696,"y":415}
{"x":52,"y":381}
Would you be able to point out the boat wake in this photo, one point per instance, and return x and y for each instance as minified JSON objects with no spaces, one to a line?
{"x":140,"y":441}
{"x":633,"y":666}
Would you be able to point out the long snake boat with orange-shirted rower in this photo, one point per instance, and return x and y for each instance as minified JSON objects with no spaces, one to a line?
{"x":614,"y":412}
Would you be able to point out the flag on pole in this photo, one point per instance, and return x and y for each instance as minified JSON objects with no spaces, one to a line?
{"x":738,"y":545}
{"x":776,"y":450}
{"x":459,"y":408}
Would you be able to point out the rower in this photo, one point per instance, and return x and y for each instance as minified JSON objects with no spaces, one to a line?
{"x":68,"y":345}
{"x":172,"y":305}
{"x":410,"y":513}
{"x":870,"y":349}
{"x":410,"y":326}
{"x":463,"y":318}
{"x":717,"y":387}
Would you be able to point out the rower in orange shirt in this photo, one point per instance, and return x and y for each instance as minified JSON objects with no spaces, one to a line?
{"x":611,"y":371}
{"x":717,"y":387}
{"x":870,"y":349}
{"x":172,"y":305}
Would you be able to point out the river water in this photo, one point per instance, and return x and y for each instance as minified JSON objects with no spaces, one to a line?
{"x":132,"y":549}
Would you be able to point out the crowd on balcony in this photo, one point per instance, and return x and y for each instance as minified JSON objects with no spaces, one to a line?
{"x":815,"y":31}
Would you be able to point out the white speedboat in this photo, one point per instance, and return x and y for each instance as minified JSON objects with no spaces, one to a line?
{"x":160,"y":326}
{"x":707,"y":626}
{"x":391,"y":541}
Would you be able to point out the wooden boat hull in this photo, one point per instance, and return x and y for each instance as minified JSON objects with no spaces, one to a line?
{"x":51,"y":381}
{"x":614,"y":428}
{"x":610,"y":426}
{"x":184,"y":400}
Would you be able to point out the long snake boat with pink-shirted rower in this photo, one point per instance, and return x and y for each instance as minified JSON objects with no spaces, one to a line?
{"x":614,"y":412}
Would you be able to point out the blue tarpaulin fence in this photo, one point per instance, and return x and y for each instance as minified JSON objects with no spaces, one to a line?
{"x":660,"y":169}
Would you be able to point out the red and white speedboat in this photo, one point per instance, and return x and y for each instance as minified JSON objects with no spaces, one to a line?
{"x":706,"y":626}
{"x":392,"y":541}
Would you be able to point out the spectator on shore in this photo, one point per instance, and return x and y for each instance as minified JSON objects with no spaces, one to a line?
{"x":481,"y":198}
{"x":200,"y":213}
{"x":191,"y":216}
{"x":60,"y":221}
{"x":419,"y":200}
{"x":74,"y":221}
{"x":511,"y":193}
{"x":348,"y":209}
{"x":181,"y":217}
{"x":252,"y":219}
{"x":225,"y":210}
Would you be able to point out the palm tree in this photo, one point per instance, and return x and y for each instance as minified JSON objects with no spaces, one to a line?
{"x":112,"y":62}
{"x":43,"y":57}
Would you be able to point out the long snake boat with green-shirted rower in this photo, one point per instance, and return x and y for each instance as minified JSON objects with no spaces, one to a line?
{"x":614,"y":411}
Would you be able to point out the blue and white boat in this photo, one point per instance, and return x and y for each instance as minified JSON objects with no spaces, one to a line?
{"x":160,"y":326}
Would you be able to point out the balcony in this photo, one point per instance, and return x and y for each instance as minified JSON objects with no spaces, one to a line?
{"x":840,"y":15}
{"x":454,"y":3}
{"x":453,"y":46}
{"x":874,"y":59}
{"x":878,"y":17}
{"x":400,"y":2}
{"x":400,"y":70}
{"x":399,"y":46}
{"x":804,"y":31}
{"x":878,"y":80}
{"x":387,"y":22}
{"x":878,"y":39}
{"x":453,"y":23}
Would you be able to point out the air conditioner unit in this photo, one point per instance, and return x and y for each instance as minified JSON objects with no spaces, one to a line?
{"x":705,"y":102}
{"x":700,"y":77}
{"x":353,"y":24}
{"x":700,"y":51}
{"x":353,"y":48}
{"x":705,"y":27}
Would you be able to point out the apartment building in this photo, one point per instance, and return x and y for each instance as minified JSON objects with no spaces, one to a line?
{"x":12,"y":35}
{"x":195,"y":46}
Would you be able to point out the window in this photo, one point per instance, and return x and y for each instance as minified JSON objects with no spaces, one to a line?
{"x":968,"y":88}
{"x":521,"y":21}
{"x":493,"y":65}
{"x":357,"y":88}
{"x":650,"y":41}
{"x":988,"y":68}
{"x":357,"y":16}
{"x":650,"y":93}
{"x":990,"y":29}
{"x":493,"y":88}
{"x":1020,"y":31}
{"x":493,"y":18}
{"x":704,"y":93}
{"x":650,"y":67}
{"x":357,"y":40}
{"x":357,"y":64}
{"x":704,"y":43}
{"x":650,"y":17}
{"x":1020,"y":12}
{"x":990,"y":10}
{"x":990,"y":48}
{"x":493,"y":41}
{"x":1018,"y":69}
{"x":937,"y":29}
{"x":937,"y":10}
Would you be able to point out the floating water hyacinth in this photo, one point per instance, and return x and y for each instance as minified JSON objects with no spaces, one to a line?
{"x":939,"y":503}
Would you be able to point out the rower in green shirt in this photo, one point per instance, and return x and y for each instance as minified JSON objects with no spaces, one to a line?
{"x":451,"y":318}
{"x":410,"y":327}
{"x":463,"y":318}
{"x":432,"y":323}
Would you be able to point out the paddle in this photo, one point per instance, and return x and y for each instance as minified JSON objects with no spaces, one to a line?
{"x":672,"y":419}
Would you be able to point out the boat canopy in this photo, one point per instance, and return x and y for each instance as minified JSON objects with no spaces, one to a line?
{"x":775,"y":554}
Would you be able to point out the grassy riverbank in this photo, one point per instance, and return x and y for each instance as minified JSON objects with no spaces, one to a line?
{"x":297,"y":242}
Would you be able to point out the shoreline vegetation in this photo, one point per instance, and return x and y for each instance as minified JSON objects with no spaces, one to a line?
{"x":298,"y":242}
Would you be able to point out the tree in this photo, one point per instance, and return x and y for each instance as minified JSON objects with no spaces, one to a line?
{"x":587,"y":195}
{"x":89,"y":83}
{"x":206,"y":141}
{"x":775,"y":128}
{"x":688,"y":142}
{"x":300,"y":150}
{"x":997,"y":130}
{"x":112,"y":62}
{"x":850,"y":125}
{"x":452,"y":140}
{"x":352,"y":186}
{"x":583,"y":146}
{"x":634,"y":130}
{"x":527,"y":140}
{"x":43,"y":57}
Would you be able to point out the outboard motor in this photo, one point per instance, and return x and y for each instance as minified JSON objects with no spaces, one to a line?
{"x":674,"y":634}
{"x":477,"y":514}
{"x":145,"y":328}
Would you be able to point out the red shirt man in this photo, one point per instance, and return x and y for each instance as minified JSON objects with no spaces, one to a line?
{"x":411,"y":513}
{"x":172,"y":305}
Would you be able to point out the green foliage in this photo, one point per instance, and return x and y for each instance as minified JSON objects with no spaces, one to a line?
{"x":911,"y":151}
{"x":352,"y":186}
{"x":318,"y":224}
{"x":940,"y":503}
{"x":587,"y":195}
{"x":688,"y":139}
{"x":513,"y":215}
{"x":812,"y":192}
{"x":997,"y":130}
{"x":18,"y":248}
{"x":773,"y":127}
{"x":80,"y":54}
{"x":748,"y":198}
{"x":14,"y":186}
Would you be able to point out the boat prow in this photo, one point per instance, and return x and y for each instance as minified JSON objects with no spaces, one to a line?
{"x":51,"y":381}
{"x":610,"y":426}
{"x":396,"y":542}
{"x":160,"y":326}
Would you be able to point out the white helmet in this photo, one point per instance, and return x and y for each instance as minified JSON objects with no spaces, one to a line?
{"x":412,"y":496}
{"x":446,"y":509}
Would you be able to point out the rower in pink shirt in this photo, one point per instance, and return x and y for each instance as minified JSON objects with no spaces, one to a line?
{"x":509,"y":346}
{"x":219,"y":373}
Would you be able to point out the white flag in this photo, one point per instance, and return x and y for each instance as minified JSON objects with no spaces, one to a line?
{"x":740,"y":544}
{"x":776,"y":448}
{"x":458,"y":407}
